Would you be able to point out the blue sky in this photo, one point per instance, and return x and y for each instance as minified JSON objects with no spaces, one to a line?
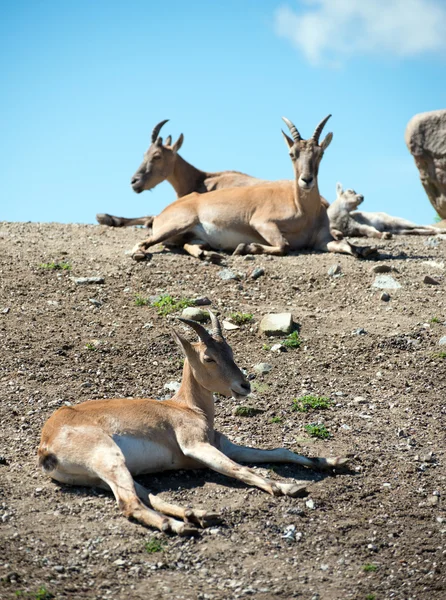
{"x":83,"y":83}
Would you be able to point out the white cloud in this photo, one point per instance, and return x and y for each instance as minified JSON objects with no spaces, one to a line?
{"x":330,"y":31}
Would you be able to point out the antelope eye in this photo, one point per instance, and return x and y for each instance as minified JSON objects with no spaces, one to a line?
{"x":156,"y":157}
{"x":208,"y":359}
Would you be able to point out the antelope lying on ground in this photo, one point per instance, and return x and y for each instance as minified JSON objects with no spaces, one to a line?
{"x":106,"y":442}
{"x":162,"y":162}
{"x":368,"y":224}
{"x":269,"y":218}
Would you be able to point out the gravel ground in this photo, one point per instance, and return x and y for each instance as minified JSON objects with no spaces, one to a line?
{"x":377,"y":532}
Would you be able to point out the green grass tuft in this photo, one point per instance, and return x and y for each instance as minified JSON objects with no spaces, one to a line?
{"x":292,"y":341}
{"x":247,"y":411}
{"x":56,"y":266}
{"x":317,"y":431}
{"x":168,"y":304}
{"x":369,"y":568}
{"x":154,"y":545}
{"x":439,"y":355}
{"x":141,"y":301}
{"x":276,"y":420}
{"x":370,"y":597}
{"x":241,"y":318}
{"x":435,"y":320}
{"x":43,"y":594}
{"x":306,"y":403}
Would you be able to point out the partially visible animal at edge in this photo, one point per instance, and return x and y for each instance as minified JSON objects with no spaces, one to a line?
{"x":106,"y":443}
{"x":163,"y":163}
{"x":268,"y":218}
{"x":345,"y":220}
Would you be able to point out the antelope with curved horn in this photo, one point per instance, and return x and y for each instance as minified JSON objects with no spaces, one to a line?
{"x":107,"y":442}
{"x":350,"y":222}
{"x":268,"y":218}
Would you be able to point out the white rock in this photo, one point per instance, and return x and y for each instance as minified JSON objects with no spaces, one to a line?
{"x":195,"y":314}
{"x":386,"y":282}
{"x":276,"y":324}
{"x":229,"y":326}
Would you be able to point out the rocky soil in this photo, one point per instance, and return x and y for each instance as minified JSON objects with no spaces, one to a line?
{"x":376,"y":532}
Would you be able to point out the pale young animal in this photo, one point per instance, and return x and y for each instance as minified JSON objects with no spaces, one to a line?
{"x":106,"y":443}
{"x":350,"y":222}
{"x":269,"y":218}
{"x":162,"y":162}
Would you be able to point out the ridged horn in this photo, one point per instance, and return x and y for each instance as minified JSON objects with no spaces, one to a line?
{"x":201,"y":331}
{"x":318,"y":130}
{"x":293,"y":129}
{"x":156,"y":130}
{"x":216,"y":327}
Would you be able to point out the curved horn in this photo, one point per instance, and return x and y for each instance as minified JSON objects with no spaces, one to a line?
{"x":156,"y":130}
{"x":318,"y":130}
{"x":293,"y":129}
{"x":216,"y":327}
{"x":201,"y":331}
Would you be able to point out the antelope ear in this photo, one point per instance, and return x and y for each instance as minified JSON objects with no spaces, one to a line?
{"x":184,"y":344}
{"x":159,"y":141}
{"x":289,"y":142}
{"x":178,"y":143}
{"x":168,"y":141}
{"x":326,"y":141}
{"x":339,"y":189}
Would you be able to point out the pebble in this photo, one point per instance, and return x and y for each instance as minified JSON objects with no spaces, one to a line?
{"x":381,"y":269}
{"x":263,"y":368}
{"x":228,"y":275}
{"x":278,"y":348}
{"x":442,"y":341}
{"x":195,"y":314}
{"x":229,"y":326}
{"x":310,"y":504}
{"x":359,"y":331}
{"x":334,"y":270}
{"x":431,"y":242}
{"x":276,"y":324}
{"x":385,"y":297}
{"x":202,"y":301}
{"x":433,"y":500}
{"x":6,"y":310}
{"x":87,"y":280}
{"x":95,"y":302}
{"x":257,"y":272}
{"x":386,"y":282}
{"x":430,"y":280}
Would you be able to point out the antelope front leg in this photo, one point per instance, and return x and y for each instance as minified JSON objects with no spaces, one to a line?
{"x":213,"y":458}
{"x":277,"y":455}
{"x":278,"y":245}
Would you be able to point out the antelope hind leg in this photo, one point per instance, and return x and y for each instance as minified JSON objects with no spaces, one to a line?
{"x":111,"y":221}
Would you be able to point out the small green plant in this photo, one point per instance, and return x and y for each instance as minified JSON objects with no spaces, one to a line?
{"x":435,"y":320}
{"x":154,"y":545}
{"x":439,"y":355}
{"x":306,"y":403}
{"x":369,"y":567}
{"x":168,"y":304}
{"x":90,"y":346}
{"x":292,"y":341}
{"x":266,"y":347}
{"x":241,"y":318}
{"x":56,"y":266}
{"x":370,"y":597}
{"x":43,"y":594}
{"x":317,"y":431}
{"x":276,"y":420}
{"x":261,"y":388}
{"x":246,"y":411}
{"x":141,"y":301}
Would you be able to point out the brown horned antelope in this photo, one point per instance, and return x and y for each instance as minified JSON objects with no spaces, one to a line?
{"x":268,"y":218}
{"x":107,"y":442}
{"x":344,"y":218}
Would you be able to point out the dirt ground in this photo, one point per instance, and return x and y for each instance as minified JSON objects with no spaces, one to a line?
{"x":374,"y":533}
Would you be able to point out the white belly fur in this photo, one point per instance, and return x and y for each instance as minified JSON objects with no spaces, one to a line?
{"x":145,"y":456}
{"x":224,"y":239}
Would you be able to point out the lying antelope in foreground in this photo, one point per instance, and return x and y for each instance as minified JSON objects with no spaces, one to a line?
{"x":350,"y":222}
{"x":163,"y":163}
{"x":269,"y":218}
{"x":107,"y":442}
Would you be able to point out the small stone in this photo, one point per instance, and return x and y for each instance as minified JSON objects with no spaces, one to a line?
{"x":95,"y":302}
{"x":228,"y":275}
{"x":310,"y":504}
{"x":87,"y":280}
{"x":432,"y":242}
{"x":381,"y":269}
{"x":263,"y":368}
{"x":257,"y":272}
{"x":278,"y":348}
{"x":195,"y":314}
{"x":202,"y":301}
{"x":172,"y":386}
{"x":119,"y":562}
{"x":430,"y":280}
{"x":6,"y":310}
{"x":387,"y":485}
{"x":385,"y":297}
{"x":229,"y":326}
{"x":386,"y":282}
{"x":359,"y":331}
{"x":433,"y":500}
{"x":334,"y":270}
{"x":359,"y":400}
{"x":276,"y":324}
{"x":59,"y":568}
{"x":442,"y":341}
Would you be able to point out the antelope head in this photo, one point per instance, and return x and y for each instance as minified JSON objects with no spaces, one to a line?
{"x":349,"y":199}
{"x":158,"y":162}
{"x":306,"y":155}
{"x":212,"y":361}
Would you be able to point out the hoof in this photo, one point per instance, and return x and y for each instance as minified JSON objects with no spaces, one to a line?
{"x":294,"y":490}
{"x":109,"y":220}
{"x":140,"y":256}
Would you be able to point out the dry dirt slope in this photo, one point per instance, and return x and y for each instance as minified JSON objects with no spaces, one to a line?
{"x":378,"y":532}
